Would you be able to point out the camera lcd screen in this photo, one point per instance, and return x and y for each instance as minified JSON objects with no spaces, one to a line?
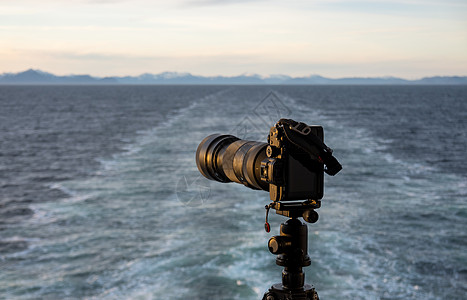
{"x":303,"y":183}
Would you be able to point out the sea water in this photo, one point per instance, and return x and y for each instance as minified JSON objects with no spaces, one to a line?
{"x":101,"y":198}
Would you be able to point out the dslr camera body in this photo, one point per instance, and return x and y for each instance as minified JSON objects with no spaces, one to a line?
{"x":290,"y":166}
{"x":291,"y":172}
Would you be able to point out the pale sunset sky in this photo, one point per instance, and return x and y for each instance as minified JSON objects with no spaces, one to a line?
{"x":336,"y":38}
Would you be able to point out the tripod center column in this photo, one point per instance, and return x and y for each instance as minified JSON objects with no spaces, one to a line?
{"x":293,"y":278}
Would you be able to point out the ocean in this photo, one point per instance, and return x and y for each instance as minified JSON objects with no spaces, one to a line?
{"x":100,"y":196}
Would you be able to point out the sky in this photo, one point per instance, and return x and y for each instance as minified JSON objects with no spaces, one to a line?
{"x":407,"y":38}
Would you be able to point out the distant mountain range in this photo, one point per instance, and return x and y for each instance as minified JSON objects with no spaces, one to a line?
{"x":40,"y":77}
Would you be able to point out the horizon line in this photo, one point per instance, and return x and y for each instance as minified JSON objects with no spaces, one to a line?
{"x":246,"y":74}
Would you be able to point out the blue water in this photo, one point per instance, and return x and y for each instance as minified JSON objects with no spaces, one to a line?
{"x":101,"y":198}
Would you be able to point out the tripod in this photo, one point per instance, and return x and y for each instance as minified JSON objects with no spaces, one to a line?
{"x":291,"y":248}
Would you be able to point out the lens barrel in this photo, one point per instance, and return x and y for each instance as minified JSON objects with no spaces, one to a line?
{"x":226,"y":158}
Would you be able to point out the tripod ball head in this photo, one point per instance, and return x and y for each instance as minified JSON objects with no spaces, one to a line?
{"x":291,"y":245}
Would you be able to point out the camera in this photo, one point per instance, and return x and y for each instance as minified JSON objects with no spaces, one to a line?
{"x":290,"y":165}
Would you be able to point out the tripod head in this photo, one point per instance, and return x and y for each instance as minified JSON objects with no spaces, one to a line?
{"x":291,"y":248}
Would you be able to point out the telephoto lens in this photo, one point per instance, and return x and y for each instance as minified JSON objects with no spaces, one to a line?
{"x":226,"y":158}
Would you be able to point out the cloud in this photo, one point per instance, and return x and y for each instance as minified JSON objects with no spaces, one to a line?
{"x":100,"y":57}
{"x":404,"y":7}
{"x":219,"y":2}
